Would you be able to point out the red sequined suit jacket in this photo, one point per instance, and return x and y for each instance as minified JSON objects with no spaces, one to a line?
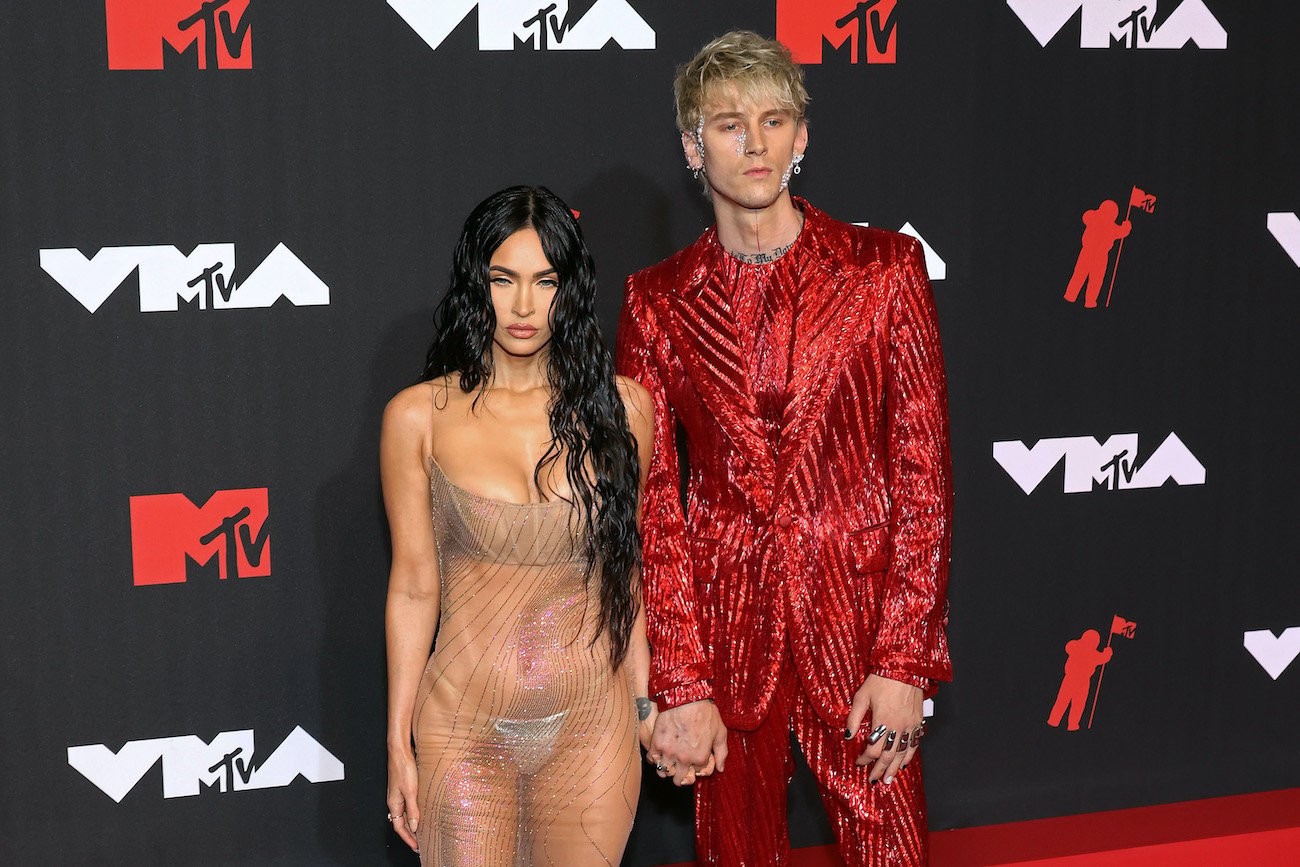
{"x":836,"y":540}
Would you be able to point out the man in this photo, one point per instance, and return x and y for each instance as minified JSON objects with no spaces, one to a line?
{"x":804,"y":588}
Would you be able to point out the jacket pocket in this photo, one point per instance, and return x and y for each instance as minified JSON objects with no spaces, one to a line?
{"x":869,"y":548}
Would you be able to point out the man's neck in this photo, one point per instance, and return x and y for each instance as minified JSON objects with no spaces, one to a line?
{"x":751,"y":231}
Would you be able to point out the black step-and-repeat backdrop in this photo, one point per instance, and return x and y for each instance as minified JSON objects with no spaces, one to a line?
{"x":223,"y":229}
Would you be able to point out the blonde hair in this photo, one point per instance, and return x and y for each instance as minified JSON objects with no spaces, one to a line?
{"x":754,"y":65}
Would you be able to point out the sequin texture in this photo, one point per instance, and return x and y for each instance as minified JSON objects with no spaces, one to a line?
{"x":525,"y":738}
{"x":819,"y":535}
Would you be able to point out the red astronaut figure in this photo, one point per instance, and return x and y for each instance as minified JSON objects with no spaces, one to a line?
{"x":1083,"y":659}
{"x":1100,"y":232}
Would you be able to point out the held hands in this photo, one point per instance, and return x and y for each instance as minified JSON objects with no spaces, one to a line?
{"x":894,"y":709}
{"x":688,"y":742}
{"x":403,"y":809}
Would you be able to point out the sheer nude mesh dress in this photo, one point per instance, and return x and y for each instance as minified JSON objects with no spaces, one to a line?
{"x":525,"y":737}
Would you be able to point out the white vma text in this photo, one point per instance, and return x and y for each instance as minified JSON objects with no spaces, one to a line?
{"x":189,"y":763}
{"x":1274,"y":653}
{"x":206,"y":277}
{"x":1285,"y":227}
{"x":935,"y":267}
{"x":1124,"y":23}
{"x":506,"y":24}
{"x":1091,"y":465}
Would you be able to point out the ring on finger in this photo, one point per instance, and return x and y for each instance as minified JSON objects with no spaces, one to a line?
{"x":904,"y":740}
{"x":889,"y":740}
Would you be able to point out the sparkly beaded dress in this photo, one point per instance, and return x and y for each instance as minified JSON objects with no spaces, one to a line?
{"x":525,"y":736}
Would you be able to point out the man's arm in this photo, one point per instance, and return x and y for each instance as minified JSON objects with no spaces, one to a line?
{"x":910,"y":642}
{"x":680,"y":672}
{"x":910,"y":650}
{"x":689,"y":738}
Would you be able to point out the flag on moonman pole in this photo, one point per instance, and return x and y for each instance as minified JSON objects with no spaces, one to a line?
{"x":1141,"y":199}
{"x":1120,"y":626}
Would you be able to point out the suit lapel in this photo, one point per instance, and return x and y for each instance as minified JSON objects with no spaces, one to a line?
{"x":702,"y":328}
{"x":829,"y":309}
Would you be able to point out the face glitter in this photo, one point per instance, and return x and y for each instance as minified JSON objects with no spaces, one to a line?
{"x":741,"y":138}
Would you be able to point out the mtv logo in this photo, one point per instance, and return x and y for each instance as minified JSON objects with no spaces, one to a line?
{"x":809,"y":27}
{"x":138,"y":30}
{"x":935,"y":267}
{"x":1123,"y":23}
{"x":1286,"y":229}
{"x":168,"y":532}
{"x":1090,"y":464}
{"x":205,"y":277}
{"x":544,"y":26}
{"x":190,"y":763}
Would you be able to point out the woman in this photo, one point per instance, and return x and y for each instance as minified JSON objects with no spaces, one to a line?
{"x":523,"y":719}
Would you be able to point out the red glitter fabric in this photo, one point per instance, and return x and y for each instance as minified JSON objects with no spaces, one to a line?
{"x":819,"y":498}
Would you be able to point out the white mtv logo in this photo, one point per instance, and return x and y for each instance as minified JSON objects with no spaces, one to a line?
{"x":934,"y":265}
{"x":1285,"y":227}
{"x":188,"y":762}
{"x":167,"y":276}
{"x":1128,"y":22}
{"x":545,"y":25}
{"x":1111,"y":465}
{"x":1274,"y":652}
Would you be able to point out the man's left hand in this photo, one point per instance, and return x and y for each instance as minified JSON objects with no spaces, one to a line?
{"x":895,"y":705}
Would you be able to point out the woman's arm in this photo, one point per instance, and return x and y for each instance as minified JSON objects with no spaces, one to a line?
{"x":640,"y":418}
{"x":411,"y":614}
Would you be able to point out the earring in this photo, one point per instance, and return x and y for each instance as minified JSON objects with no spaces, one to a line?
{"x":798,"y":158}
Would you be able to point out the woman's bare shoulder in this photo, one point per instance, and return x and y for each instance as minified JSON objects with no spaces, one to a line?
{"x":419,"y":405}
{"x":637,"y":402}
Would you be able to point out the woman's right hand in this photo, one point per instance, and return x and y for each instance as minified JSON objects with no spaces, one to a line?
{"x":403,"y":780}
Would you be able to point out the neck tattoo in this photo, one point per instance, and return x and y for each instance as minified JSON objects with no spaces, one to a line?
{"x":761,"y":258}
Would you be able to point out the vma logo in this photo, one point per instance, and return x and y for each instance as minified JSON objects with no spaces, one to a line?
{"x":864,"y":31}
{"x":935,"y":267}
{"x":1274,"y":653}
{"x":1090,"y":465}
{"x":1124,"y":23}
{"x":189,"y":764}
{"x":171,"y":537}
{"x":1286,"y":229}
{"x":1083,"y":656}
{"x":148,"y":34}
{"x":205,"y":278}
{"x":1100,"y":232}
{"x":504,"y":25}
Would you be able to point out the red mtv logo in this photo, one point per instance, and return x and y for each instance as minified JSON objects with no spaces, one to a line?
{"x":168,"y":531}
{"x":809,"y":27}
{"x":137,"y":30}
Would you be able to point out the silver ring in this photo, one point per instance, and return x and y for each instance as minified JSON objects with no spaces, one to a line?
{"x":889,"y":741}
{"x":393,"y":818}
{"x":877,"y":733}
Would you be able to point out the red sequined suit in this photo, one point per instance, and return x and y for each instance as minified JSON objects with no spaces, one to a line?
{"x":814,"y":546}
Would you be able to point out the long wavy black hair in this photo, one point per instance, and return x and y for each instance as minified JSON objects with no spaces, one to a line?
{"x":589,"y":429}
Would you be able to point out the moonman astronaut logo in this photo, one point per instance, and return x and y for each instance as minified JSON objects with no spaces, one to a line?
{"x":172,"y":538}
{"x":205,"y":279}
{"x":864,"y":31}
{"x":1100,"y":232}
{"x":1285,"y":227}
{"x":557,"y":25}
{"x":1274,"y":653}
{"x":1084,"y":656}
{"x":1125,"y":23}
{"x":1091,"y":465}
{"x":190,"y":765}
{"x":153,"y":34}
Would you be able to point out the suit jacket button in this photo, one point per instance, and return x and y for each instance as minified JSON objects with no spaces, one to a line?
{"x":784,"y":522}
